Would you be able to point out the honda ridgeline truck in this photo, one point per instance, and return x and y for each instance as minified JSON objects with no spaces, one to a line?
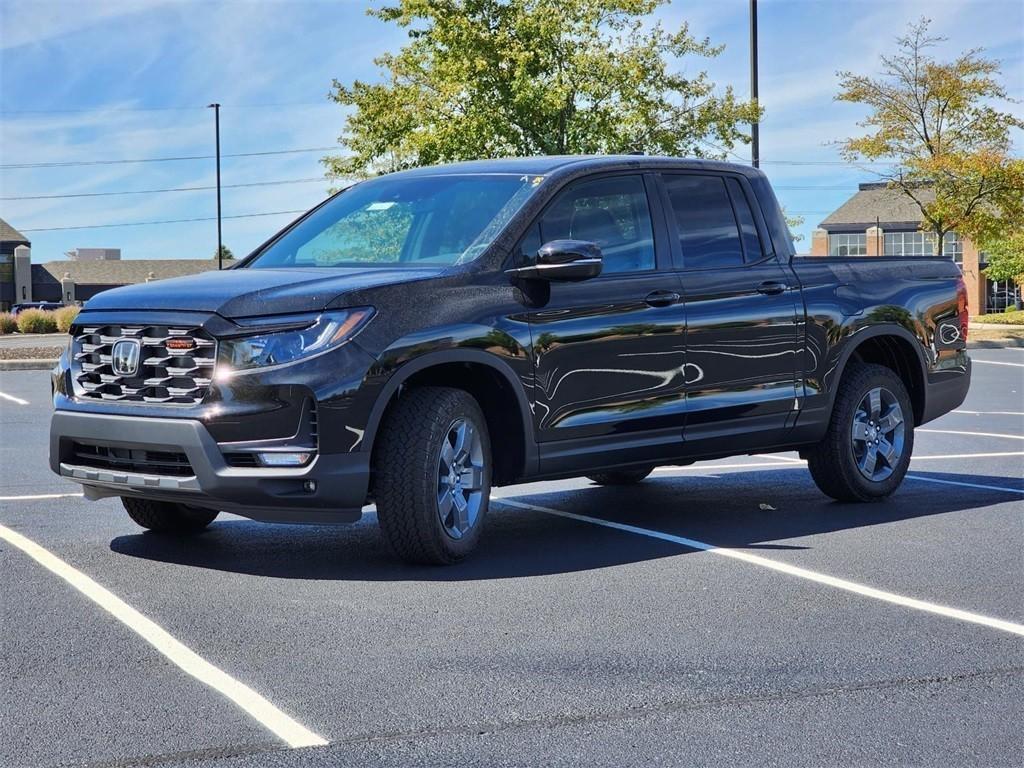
{"x":424,"y":336}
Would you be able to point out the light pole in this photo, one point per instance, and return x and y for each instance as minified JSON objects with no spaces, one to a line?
{"x":216,"y":119}
{"x":755,"y":143}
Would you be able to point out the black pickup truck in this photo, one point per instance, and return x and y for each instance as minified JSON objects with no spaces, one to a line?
{"x":424,"y":336}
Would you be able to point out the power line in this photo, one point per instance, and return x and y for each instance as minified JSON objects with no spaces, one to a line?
{"x":166,"y":221}
{"x":183,"y":108}
{"x":14,"y":166}
{"x":168,"y":189}
{"x":829,"y":162}
{"x":291,"y":181}
{"x":843,"y":188}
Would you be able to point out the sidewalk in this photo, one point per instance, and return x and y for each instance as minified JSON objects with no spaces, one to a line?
{"x":15,"y":340}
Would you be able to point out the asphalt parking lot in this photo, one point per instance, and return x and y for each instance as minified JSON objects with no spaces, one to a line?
{"x":721,"y":614}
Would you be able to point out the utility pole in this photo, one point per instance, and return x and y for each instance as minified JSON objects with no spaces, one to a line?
{"x":220,"y":248}
{"x":755,"y":139}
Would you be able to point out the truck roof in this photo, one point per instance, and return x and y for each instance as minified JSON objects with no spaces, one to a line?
{"x":545,"y":164}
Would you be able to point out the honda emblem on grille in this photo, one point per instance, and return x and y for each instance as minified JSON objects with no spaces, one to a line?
{"x":124,"y":357}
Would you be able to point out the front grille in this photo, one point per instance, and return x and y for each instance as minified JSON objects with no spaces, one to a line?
{"x":165,"y":374}
{"x":137,"y":460}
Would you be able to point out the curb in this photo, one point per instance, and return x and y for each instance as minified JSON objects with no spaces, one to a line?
{"x":27,"y":365}
{"x":995,"y":343}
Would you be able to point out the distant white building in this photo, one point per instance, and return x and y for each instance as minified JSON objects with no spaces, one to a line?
{"x":94,"y":254}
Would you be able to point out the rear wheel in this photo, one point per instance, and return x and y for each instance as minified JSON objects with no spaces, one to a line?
{"x":621,"y":476}
{"x":866,"y":451}
{"x":167,"y":517}
{"x":432,"y":475}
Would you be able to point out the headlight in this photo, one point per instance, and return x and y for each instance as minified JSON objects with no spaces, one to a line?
{"x":324,"y":332}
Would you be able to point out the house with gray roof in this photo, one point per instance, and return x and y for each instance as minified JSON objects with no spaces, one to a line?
{"x":881,"y":221}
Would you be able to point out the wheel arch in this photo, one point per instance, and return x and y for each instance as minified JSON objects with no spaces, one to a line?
{"x":490,"y":380}
{"x":897,"y":349}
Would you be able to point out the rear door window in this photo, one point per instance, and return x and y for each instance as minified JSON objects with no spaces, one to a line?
{"x":709,"y":235}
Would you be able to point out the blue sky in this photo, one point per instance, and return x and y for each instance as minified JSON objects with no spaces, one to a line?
{"x":138,"y":74}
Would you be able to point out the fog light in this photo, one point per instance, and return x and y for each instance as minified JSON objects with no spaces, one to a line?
{"x":284,"y":459}
{"x":309,"y":486}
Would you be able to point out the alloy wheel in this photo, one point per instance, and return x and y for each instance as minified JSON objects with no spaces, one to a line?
{"x":460,"y":474}
{"x":878,"y":434}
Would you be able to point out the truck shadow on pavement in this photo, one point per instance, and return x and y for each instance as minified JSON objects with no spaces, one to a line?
{"x":757,"y":510}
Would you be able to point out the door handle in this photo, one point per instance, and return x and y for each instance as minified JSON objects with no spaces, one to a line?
{"x":771,"y":288}
{"x":661,"y":298}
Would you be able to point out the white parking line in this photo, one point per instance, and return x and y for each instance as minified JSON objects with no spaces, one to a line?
{"x":973,"y":434}
{"x":13,"y":399}
{"x":967,"y":485}
{"x":996,"y":362}
{"x":40,"y":496}
{"x":269,"y":716}
{"x":992,"y":455}
{"x":792,"y":570}
{"x":795,"y":463}
{"x":989,"y":413}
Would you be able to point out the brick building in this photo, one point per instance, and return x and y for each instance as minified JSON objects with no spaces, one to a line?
{"x":878,"y":221}
{"x":83,"y":278}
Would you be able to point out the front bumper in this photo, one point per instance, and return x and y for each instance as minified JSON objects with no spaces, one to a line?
{"x":336,"y":495}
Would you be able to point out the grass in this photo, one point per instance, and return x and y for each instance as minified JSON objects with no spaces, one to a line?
{"x":1016,"y":317}
{"x":995,"y":334}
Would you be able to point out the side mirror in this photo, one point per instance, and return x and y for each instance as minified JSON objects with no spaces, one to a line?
{"x":562,"y":260}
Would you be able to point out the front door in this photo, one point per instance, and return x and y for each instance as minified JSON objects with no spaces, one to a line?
{"x":608,"y":352}
{"x":742,"y":312}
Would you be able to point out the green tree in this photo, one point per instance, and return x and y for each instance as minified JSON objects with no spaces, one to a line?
{"x":489,"y":78}
{"x":225,"y":253}
{"x":793,"y":221}
{"x":1005,"y":257}
{"x":948,"y":146}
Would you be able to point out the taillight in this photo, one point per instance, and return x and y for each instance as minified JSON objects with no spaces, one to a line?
{"x":961,"y":307}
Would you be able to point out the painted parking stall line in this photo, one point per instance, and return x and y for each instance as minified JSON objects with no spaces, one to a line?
{"x":38,"y":496}
{"x":989,"y":413}
{"x":791,"y":570}
{"x":266,"y":714}
{"x":936,"y":457}
{"x":997,"y":362}
{"x":963,"y":484}
{"x":783,"y":462}
{"x":13,"y":399}
{"x":969,"y":434}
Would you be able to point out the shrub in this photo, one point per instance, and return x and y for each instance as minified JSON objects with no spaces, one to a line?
{"x":65,"y":316}
{"x":36,"y":321}
{"x":7,"y":323}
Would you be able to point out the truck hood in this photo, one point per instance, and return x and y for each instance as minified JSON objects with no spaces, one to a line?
{"x":247,"y":292}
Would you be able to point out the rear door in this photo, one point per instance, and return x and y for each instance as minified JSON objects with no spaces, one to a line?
{"x":608,"y":352}
{"x":742,"y":311}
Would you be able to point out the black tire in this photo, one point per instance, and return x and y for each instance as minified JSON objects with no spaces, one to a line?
{"x":621,"y":476}
{"x":407,"y":475}
{"x":834,"y":463}
{"x":166,"y":517}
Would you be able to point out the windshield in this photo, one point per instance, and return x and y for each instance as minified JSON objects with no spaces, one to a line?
{"x":394,"y":221}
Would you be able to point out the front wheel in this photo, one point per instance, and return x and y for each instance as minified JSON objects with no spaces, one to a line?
{"x":166,"y":517}
{"x":866,"y":451}
{"x":432,"y":475}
